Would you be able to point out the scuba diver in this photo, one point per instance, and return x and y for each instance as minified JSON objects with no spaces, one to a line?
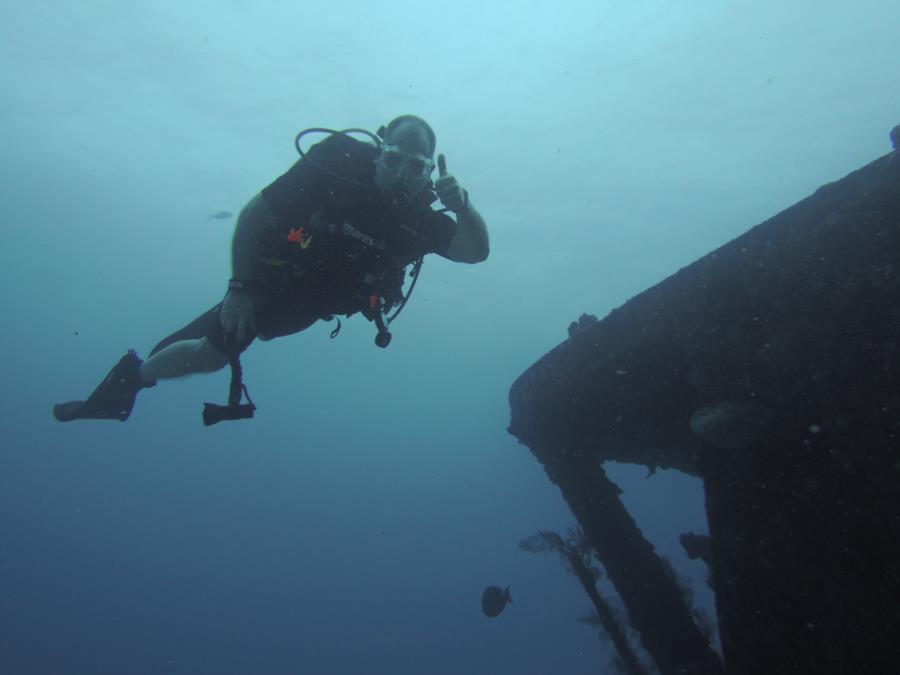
{"x":332,"y":236}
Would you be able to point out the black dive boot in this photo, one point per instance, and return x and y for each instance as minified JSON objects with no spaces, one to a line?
{"x":113,"y":398}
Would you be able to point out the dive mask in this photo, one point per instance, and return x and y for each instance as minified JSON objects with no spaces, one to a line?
{"x":405,"y":165}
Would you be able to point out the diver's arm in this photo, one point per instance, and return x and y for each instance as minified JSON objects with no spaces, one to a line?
{"x":244,"y":245}
{"x":471,"y":243}
{"x":237,"y":314}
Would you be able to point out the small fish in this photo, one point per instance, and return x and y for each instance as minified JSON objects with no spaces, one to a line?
{"x":219,"y":215}
{"x":493,"y":600}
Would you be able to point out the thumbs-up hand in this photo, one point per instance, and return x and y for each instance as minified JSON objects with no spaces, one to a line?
{"x":448,"y":190}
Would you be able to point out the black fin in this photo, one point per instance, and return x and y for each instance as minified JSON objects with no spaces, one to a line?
{"x":112,"y":399}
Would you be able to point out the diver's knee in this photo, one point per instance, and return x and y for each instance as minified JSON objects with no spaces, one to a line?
{"x":213,"y":357}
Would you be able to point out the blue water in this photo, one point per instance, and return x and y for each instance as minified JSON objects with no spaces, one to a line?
{"x":352,"y":525}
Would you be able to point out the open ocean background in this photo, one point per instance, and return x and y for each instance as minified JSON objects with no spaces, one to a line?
{"x":352,"y":525}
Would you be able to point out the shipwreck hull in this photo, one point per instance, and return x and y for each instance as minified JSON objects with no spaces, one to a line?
{"x":769,"y":368}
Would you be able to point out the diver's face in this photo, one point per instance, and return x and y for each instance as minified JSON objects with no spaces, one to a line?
{"x":404,"y":162}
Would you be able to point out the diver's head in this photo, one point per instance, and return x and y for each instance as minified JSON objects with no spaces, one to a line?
{"x":405,"y":160}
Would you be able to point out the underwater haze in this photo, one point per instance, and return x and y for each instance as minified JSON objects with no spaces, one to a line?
{"x":352,"y":525}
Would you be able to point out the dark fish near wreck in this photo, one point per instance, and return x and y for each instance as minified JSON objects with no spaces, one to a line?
{"x":219,"y":215}
{"x":731,"y":425}
{"x":493,"y":600}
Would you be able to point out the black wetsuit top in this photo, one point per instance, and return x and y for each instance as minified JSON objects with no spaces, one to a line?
{"x":359,"y":244}
{"x":339,"y":238}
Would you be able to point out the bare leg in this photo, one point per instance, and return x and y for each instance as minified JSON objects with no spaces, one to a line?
{"x":187,"y":357}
